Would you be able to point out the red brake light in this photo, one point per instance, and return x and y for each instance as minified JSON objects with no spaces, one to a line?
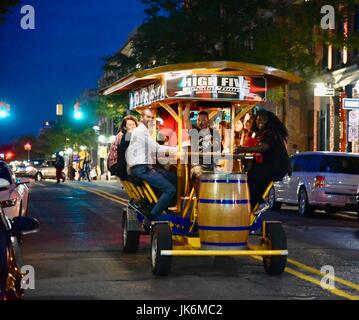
{"x":319,"y":182}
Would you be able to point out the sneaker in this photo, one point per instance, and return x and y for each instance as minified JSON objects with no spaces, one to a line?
{"x":264,"y":206}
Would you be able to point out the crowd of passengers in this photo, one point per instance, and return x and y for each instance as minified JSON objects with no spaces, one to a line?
{"x":135,"y":153}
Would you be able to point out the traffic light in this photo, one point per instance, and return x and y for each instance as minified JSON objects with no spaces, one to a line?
{"x":78,"y":115}
{"x":4,"y":109}
{"x":9,"y":156}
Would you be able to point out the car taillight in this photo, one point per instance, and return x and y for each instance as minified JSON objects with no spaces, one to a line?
{"x":319,"y":182}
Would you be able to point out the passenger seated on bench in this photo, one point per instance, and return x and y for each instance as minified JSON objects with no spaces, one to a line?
{"x":209,"y":140}
{"x":275,"y":164}
{"x":141,"y":159}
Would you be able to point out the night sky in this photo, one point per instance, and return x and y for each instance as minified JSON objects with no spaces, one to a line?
{"x":60,"y":58}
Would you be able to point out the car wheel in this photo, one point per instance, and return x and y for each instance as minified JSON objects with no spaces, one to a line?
{"x":304,"y":208}
{"x":38,"y":176}
{"x":274,"y":205}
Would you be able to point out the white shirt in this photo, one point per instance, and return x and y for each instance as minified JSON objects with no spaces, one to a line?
{"x":143,"y":149}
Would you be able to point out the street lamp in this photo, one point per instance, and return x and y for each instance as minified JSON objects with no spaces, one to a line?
{"x":28,"y":147}
{"x":102,"y":139}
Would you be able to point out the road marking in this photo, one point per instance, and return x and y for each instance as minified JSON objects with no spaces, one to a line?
{"x":335,"y":291}
{"x":300,"y":275}
{"x":291,"y":271}
{"x":111,"y":195}
{"x":315,"y":271}
{"x":108,"y":194}
{"x":104,"y":196}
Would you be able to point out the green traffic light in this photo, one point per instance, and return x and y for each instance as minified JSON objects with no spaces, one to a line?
{"x":78,"y":115}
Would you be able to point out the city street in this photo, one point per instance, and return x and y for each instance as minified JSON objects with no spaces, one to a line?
{"x":209,"y":113}
{"x":77,"y":254}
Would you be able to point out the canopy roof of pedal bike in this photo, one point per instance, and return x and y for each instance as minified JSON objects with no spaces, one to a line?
{"x":211,"y":81}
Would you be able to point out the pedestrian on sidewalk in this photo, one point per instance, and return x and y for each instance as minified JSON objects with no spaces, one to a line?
{"x":60,"y":166}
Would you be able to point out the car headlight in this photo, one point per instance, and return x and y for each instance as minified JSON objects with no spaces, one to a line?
{"x":28,"y":169}
{"x":8,"y":203}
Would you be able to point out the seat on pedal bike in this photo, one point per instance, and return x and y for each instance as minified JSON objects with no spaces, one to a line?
{"x":135,"y":180}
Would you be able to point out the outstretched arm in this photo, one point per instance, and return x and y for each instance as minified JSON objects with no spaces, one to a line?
{"x":263,"y":147}
{"x":186,"y":116}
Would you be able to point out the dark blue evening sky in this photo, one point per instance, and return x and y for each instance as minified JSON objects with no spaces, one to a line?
{"x":60,"y":58}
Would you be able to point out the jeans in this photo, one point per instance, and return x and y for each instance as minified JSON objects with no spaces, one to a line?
{"x":160,"y":179}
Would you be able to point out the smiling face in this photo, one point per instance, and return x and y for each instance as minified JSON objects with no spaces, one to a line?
{"x":130,"y":125}
{"x":261,"y":122}
{"x":147,"y":118}
{"x":238,"y":126}
{"x":203,"y":121}
{"x":248,"y":122}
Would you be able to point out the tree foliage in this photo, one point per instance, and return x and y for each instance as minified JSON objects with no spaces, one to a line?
{"x":5,"y":6}
{"x":112,"y":107}
{"x":276,"y":33}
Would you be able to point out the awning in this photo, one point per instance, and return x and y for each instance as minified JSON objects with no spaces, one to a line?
{"x":275,"y":77}
{"x":346,"y":76}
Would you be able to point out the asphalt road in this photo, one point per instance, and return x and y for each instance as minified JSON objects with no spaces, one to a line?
{"x":77,"y":254}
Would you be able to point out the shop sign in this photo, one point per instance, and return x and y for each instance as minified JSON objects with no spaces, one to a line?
{"x":147,"y":95}
{"x":350,"y":103}
{"x":217,"y":87}
{"x":323,"y":91}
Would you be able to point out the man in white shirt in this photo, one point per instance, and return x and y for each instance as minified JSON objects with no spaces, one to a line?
{"x":141,"y":156}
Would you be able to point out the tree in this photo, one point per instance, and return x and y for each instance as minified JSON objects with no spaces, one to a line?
{"x":276,"y":33}
{"x":65,"y":134}
{"x":5,"y":5}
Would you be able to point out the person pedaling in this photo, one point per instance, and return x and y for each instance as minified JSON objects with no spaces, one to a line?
{"x":273,"y":163}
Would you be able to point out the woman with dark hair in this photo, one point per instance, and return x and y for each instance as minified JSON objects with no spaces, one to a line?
{"x":128,"y":124}
{"x":274,"y":165}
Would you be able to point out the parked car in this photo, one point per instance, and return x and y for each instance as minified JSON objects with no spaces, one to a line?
{"x":15,"y":198}
{"x":38,"y":170}
{"x":10,"y":253}
{"x":319,"y":180}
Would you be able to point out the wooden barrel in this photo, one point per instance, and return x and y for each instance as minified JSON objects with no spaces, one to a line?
{"x":224,"y":211}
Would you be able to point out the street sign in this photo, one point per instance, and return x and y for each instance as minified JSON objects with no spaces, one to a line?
{"x":353,"y":133}
{"x":350,"y":103}
{"x":353,"y":117}
{"x":59,"y":109}
{"x":324,"y":92}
